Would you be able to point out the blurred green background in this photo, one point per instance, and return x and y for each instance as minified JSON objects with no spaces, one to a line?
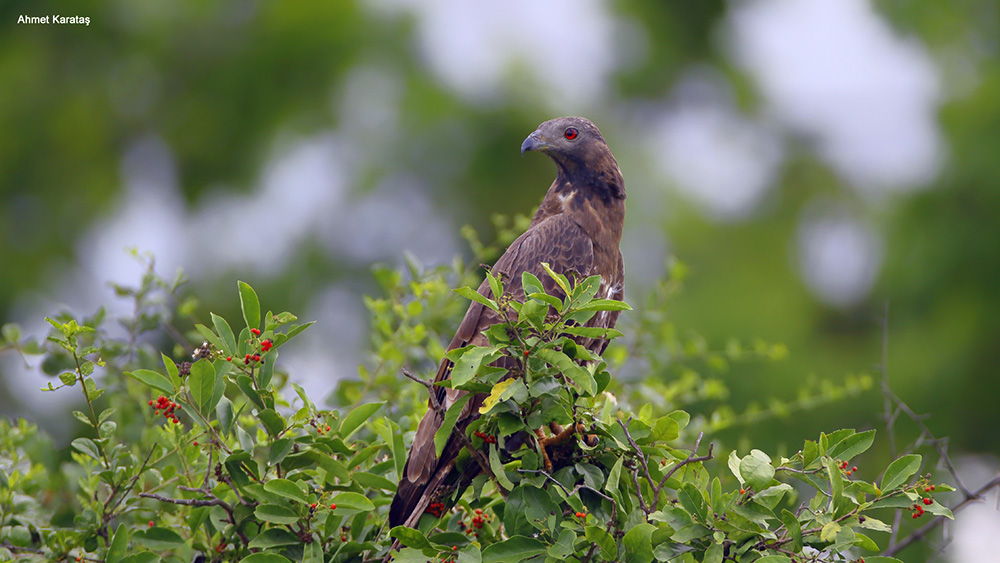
{"x":811,"y":161}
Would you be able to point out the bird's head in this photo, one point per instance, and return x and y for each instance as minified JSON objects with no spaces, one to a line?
{"x":581,"y":154}
{"x":566,"y":140}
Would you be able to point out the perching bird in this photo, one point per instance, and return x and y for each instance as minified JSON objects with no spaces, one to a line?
{"x":576,"y":230}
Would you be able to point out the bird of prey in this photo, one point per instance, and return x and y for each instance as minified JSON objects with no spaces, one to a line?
{"x":577,"y":231}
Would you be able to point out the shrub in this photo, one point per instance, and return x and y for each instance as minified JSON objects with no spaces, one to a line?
{"x":222,"y":458}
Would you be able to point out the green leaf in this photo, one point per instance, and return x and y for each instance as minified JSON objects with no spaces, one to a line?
{"x":836,"y":482}
{"x":495,"y":286}
{"x":900,"y":471}
{"x":334,"y":469}
{"x":152,"y":379}
{"x":714,"y":554}
{"x":373,"y":481}
{"x":356,"y":501}
{"x":119,"y":545}
{"x":158,"y":538}
{"x":224,"y":412}
{"x":560,"y":279}
{"x":469,"y":293}
{"x":611,"y":486}
{"x":603,"y":539}
{"x":775,"y":559}
{"x":276,"y":514}
{"x":265,"y":557}
{"x":605,"y":305}
{"x":756,"y":470}
{"x":142,"y":557}
{"x":829,"y":531}
{"x":591,"y":331}
{"x":692,"y":501}
{"x":226,"y":333}
{"x":497,"y":468}
{"x":881,"y":559}
{"x":202,"y":385}
{"x":87,"y":446}
{"x":274,"y":537}
{"x":531,"y":284}
{"x":450,"y":417}
{"x":570,"y":369}
{"x":638,"y":543}
{"x":794,"y":529}
{"x":356,"y":418}
{"x":245,"y":384}
{"x":410,"y":537}
{"x":564,"y":546}
{"x":513,"y":550}
{"x":468,"y":364}
{"x":734,"y":466}
{"x":852,"y":445}
{"x":938,"y":510}
{"x":287,"y":489}
{"x":865,"y":542}
{"x":250,"y":305}
{"x":273,"y":422}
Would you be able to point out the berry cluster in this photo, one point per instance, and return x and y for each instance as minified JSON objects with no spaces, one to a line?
{"x":918,"y":510}
{"x":255,"y":331}
{"x":435,"y":509}
{"x":167,"y":406}
{"x":486,"y":437}
{"x":581,"y":515}
{"x":249,"y":358}
{"x":843,"y":466}
{"x":477,"y":522}
{"x":266,"y":345}
{"x":321,"y":429}
{"x":203,"y":351}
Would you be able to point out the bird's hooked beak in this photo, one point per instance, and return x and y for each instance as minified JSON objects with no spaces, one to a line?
{"x":535,"y":142}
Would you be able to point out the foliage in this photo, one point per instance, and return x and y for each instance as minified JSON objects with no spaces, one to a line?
{"x":211,"y":457}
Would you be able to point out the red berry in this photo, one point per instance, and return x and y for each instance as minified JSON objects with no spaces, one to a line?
{"x":580,"y":515}
{"x":196,"y":442}
{"x":743,"y":491}
{"x":313,"y":505}
{"x":327,"y":428}
{"x":854,"y":468}
{"x":255,"y":331}
{"x":526,"y":353}
{"x":848,"y":473}
{"x":150,"y":402}
{"x":927,"y":501}
{"x":343,"y":538}
{"x":229,"y":358}
{"x":454,"y":548}
{"x":333,"y":507}
{"x":916,"y":515}
{"x":932,"y":487}
{"x":150,"y":523}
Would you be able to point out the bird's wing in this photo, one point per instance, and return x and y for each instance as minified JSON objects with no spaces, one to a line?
{"x":567,"y":249}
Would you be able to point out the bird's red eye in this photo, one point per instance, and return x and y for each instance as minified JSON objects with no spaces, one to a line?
{"x":570,"y":133}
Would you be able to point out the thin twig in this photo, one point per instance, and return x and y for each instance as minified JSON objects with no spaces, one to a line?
{"x":656,"y":488}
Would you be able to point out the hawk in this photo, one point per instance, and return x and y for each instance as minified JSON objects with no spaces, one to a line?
{"x":577,"y":231}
